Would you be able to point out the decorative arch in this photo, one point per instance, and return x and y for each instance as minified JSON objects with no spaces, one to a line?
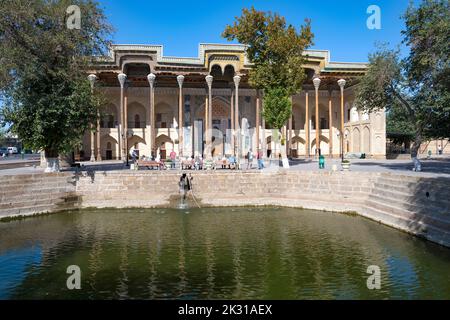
{"x":366,"y":147}
{"x":109,"y":116}
{"x":136,"y":109}
{"x":220,"y":107}
{"x":346,"y":141}
{"x":347,"y":112}
{"x":165,"y":115}
{"x":298,"y":121}
{"x":109,"y":147}
{"x":164,"y":144}
{"x":216,"y":70}
{"x":356,"y":140}
{"x":229,"y":71}
{"x":354,"y":115}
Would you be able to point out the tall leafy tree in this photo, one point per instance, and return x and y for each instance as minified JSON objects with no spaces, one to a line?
{"x":48,"y":101}
{"x":276,"y":50}
{"x":415,"y":88}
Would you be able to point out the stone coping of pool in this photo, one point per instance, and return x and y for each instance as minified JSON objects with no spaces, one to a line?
{"x":418,"y":205}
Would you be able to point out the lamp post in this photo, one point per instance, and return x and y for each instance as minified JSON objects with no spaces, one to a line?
{"x":341,"y":84}
{"x":316,"y":82}
{"x":92,"y":78}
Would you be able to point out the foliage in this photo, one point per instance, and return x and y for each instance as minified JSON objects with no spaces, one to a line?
{"x":398,"y":127}
{"x":276,"y":51}
{"x":43,"y":71}
{"x":414,"y":90}
{"x":277,"y":107}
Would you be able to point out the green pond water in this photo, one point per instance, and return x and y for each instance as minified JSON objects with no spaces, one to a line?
{"x":226,"y":253}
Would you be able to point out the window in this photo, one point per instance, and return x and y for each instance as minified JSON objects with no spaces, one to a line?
{"x":110,"y":121}
{"x":137,"y":121}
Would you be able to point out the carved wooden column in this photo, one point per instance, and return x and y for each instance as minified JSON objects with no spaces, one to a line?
{"x":316,"y":82}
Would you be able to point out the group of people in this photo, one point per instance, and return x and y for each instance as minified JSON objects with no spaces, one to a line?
{"x":198,"y":163}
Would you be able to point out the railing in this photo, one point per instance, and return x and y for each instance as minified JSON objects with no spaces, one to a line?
{"x":108,"y":124}
{"x":136,"y":125}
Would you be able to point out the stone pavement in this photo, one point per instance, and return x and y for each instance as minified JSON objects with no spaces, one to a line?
{"x":432,"y":167}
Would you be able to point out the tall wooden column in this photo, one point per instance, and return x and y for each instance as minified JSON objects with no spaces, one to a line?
{"x":232,"y":121}
{"x":237,"y":80}
{"x":316,"y":82}
{"x":330,"y":123}
{"x":122,"y":78}
{"x":180,"y":80}
{"x":258,"y":120}
{"x":151,"y":114}
{"x":341,"y":84}
{"x":307,"y":146}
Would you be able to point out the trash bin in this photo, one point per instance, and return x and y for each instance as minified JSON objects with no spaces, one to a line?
{"x":321,"y":162}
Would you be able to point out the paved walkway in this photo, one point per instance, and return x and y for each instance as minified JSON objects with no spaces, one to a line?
{"x":432,"y":167}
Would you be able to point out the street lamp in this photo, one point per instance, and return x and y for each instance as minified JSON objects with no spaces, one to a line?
{"x":341,"y":84}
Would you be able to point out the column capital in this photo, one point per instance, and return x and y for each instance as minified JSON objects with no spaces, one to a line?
{"x":237,"y":80}
{"x":209,"y":80}
{"x":122,"y":78}
{"x":151,"y":79}
{"x":342,"y":83}
{"x":92,"y":78}
{"x":316,"y":82}
{"x":180,"y":80}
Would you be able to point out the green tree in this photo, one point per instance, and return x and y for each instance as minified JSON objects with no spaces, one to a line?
{"x":48,"y":101}
{"x":414,"y":90}
{"x":277,"y":107}
{"x":276,"y":50}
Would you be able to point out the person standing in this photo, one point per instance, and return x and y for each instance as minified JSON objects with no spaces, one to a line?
{"x":249,"y":159}
{"x":173,"y":157}
{"x":260,"y":160}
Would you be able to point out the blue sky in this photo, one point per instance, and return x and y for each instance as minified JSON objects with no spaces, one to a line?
{"x":339,"y":26}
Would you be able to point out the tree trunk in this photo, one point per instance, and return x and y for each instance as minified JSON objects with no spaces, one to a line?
{"x":52,"y":161}
{"x":415,"y":152}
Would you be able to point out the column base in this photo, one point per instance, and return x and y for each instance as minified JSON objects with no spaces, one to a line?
{"x":92,"y":158}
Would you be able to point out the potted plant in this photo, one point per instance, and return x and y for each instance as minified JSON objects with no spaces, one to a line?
{"x":345,"y":164}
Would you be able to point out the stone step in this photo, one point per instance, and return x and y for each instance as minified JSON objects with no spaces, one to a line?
{"x":36,"y":209}
{"x":414,"y":205}
{"x":434,"y":199}
{"x":14,"y":195}
{"x":436,"y":220}
{"x":414,"y":181}
{"x":437,"y":235}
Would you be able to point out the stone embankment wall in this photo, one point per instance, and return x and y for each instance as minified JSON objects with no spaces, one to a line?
{"x":28,"y":194}
{"x":416,"y":204}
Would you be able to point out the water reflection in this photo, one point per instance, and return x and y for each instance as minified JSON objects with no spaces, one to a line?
{"x":235,"y":253}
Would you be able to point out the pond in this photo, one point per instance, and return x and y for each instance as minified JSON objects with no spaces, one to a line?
{"x":216,"y":253}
